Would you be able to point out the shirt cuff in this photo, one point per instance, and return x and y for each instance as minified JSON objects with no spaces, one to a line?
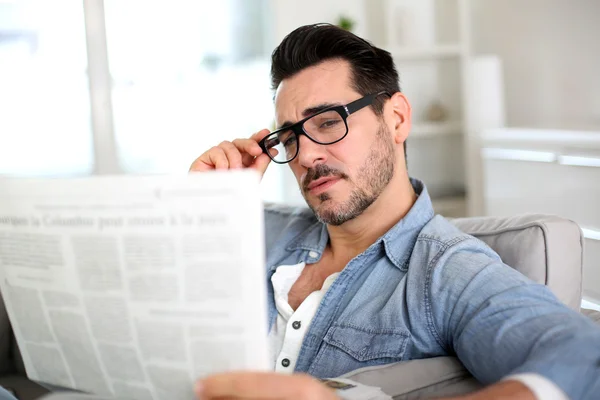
{"x":542,"y":387}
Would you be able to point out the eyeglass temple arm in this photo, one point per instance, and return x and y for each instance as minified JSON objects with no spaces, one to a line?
{"x":362,"y":103}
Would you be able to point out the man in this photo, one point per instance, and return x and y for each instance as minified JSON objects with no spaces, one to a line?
{"x":368,"y":276}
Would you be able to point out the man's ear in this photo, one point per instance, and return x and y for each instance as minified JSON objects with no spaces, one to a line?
{"x":401,"y":114}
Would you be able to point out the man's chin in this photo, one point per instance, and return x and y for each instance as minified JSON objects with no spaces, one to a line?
{"x":332,"y":217}
{"x":334,"y":208}
{"x":327,"y":210}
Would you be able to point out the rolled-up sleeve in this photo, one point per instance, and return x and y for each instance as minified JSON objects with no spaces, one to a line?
{"x":542,"y":387}
{"x":499,"y":323}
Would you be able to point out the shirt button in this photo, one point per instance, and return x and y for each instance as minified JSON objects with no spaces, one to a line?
{"x":285,"y":362}
{"x":296,"y":324}
{"x":313,"y":254}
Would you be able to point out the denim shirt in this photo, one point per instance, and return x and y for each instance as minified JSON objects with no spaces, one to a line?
{"x":425,"y":289}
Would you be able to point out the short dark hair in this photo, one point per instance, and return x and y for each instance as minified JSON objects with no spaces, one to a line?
{"x":372,"y":68}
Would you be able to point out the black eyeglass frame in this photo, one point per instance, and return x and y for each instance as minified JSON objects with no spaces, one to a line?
{"x":298,"y":128}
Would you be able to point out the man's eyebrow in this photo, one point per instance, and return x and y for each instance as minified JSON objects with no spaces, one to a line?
{"x":310,"y":111}
{"x":313,"y":110}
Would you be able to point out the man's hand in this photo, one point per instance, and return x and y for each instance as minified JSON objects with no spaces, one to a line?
{"x":241,"y":153}
{"x":262,"y":386}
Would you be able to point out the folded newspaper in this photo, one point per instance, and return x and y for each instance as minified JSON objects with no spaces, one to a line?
{"x":134,"y":287}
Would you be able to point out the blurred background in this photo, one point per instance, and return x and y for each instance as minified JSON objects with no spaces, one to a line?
{"x":505,"y":93}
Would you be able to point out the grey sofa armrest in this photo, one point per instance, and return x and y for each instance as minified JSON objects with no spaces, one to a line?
{"x":419,"y":379}
{"x":594,"y":315}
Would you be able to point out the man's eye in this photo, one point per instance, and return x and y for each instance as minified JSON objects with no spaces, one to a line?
{"x":330,"y":123}
{"x":272,"y":142}
{"x":290,"y":141}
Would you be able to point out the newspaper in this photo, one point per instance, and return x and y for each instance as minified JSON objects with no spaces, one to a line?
{"x":134,"y":287}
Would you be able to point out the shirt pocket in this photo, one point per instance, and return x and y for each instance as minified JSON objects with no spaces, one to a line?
{"x":349,"y":347}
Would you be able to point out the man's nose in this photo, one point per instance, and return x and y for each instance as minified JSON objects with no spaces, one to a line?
{"x":310,"y":153}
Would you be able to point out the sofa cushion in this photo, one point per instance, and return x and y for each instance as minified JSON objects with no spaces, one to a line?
{"x":426,"y":378}
{"x":592,"y":314}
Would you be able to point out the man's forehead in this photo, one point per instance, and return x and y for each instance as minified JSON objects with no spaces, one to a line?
{"x":325,"y":83}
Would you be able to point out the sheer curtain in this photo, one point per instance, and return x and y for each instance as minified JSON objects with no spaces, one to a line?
{"x":186,"y":76}
{"x":44,"y":98}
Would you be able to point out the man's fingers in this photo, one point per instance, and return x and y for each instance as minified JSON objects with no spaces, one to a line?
{"x":261,"y":163}
{"x":199,"y":165}
{"x":233,"y":154}
{"x":247,"y":160}
{"x":266,"y":386}
{"x":260,"y":135}
{"x":218,"y":158}
{"x":241,"y":153}
{"x":249,"y":146}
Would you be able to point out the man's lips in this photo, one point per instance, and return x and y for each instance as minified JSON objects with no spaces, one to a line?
{"x":322,"y":184}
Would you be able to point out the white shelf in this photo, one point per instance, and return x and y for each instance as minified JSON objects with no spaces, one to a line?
{"x":435,"y":129}
{"x":452,"y":207}
{"x":426,"y":53}
{"x":430,"y":42}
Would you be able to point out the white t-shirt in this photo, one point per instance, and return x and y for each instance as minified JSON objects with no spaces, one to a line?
{"x":286,"y":336}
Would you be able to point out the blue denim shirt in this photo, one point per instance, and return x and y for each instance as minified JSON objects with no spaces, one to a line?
{"x":425,"y":289}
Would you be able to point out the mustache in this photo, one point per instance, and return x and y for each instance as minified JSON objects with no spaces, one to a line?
{"x":321,"y":171}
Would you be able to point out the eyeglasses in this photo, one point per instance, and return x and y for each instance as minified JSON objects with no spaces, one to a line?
{"x":328,"y":126}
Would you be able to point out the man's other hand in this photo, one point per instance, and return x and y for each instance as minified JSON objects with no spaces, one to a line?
{"x":262,"y":386}
{"x":241,"y":153}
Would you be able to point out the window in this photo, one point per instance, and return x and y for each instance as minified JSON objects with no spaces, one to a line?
{"x":184,"y":76}
{"x":44,"y":98}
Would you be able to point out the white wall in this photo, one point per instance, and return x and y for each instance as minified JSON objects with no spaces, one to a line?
{"x":551,"y":58}
{"x":290,"y":14}
{"x":549,"y":49}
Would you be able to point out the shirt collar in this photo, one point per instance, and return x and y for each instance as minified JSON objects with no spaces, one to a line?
{"x":398,"y":242}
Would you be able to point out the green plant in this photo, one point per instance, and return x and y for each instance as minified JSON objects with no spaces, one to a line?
{"x":346,"y":23}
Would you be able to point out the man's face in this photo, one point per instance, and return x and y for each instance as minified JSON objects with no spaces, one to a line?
{"x":341,"y":180}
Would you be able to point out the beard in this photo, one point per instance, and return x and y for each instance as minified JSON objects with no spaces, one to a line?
{"x":372,"y":178}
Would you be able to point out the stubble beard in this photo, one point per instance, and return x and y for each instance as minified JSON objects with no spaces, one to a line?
{"x":373,"y":177}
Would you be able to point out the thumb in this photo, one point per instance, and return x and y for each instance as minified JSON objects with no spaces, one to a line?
{"x":261,"y":163}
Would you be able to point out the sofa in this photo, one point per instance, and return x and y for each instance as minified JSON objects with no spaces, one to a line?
{"x":547,"y":249}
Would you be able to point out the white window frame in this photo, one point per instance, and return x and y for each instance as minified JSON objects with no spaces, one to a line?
{"x":106,"y":159}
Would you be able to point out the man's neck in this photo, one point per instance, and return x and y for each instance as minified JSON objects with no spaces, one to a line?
{"x":355,"y":236}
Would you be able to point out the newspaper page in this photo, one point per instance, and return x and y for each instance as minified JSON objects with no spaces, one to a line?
{"x":134,"y":287}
